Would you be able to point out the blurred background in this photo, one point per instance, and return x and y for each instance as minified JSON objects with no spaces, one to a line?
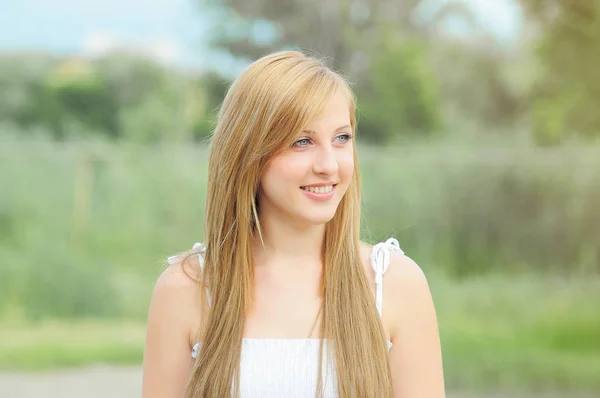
{"x":478,"y":120}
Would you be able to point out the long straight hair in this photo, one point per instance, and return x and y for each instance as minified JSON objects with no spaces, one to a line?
{"x":264,"y":109}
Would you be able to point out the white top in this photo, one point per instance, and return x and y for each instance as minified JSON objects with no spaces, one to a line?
{"x":288,"y":367}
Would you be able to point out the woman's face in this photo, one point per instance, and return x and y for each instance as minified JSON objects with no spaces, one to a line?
{"x":306,"y":182}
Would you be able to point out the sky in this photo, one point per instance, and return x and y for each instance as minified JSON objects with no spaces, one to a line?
{"x":170,"y":30}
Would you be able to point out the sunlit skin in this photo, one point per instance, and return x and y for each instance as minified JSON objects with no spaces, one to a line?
{"x":287,"y":261}
{"x":322,"y":154}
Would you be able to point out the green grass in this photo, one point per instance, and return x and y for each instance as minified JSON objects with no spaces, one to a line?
{"x":60,"y":344}
{"x":528,"y":332}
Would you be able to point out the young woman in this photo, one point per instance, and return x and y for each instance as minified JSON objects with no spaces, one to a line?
{"x":282,"y":299}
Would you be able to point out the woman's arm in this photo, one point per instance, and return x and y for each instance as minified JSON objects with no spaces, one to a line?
{"x":167,"y":354}
{"x":415,"y":358}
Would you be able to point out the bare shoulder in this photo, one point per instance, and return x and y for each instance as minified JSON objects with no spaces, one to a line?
{"x":406,"y":290}
{"x":172,"y":319}
{"x":401,"y":270}
{"x":177,"y":292}
{"x":410,"y":322}
{"x":415,"y":359}
{"x":182,"y":266}
{"x":404,"y":277}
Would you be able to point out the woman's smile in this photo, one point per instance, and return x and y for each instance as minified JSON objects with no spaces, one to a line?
{"x":320,"y":193}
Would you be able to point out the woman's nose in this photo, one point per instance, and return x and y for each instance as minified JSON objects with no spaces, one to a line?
{"x":325,"y":162}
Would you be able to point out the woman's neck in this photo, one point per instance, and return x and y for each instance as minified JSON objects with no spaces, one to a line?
{"x":287,"y":244}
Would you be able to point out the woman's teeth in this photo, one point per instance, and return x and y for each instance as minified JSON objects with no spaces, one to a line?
{"x":324,"y":189}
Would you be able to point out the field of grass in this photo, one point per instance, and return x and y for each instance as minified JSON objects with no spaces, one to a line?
{"x":64,"y":344}
{"x":509,"y":238}
{"x":534,"y":333}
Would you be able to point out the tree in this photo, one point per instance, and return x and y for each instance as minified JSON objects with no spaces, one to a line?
{"x":21,"y":86}
{"x":342,"y":30}
{"x":567,"y":93}
{"x":75,"y":93}
{"x":401,"y":94}
{"x":377,"y":43}
{"x":405,"y":65}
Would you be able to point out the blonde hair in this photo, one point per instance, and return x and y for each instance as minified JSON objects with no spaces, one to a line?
{"x":264,"y":109}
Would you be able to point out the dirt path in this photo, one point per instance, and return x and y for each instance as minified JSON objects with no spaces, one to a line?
{"x":92,"y":382}
{"x":122,"y":382}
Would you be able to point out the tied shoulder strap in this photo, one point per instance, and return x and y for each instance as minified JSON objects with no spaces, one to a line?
{"x":180,"y":257}
{"x":201,"y":254}
{"x":177,"y":258}
{"x":380,"y":260}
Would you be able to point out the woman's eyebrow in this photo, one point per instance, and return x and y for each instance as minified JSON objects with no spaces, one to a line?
{"x":338,"y":129}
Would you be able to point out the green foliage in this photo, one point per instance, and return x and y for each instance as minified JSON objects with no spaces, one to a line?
{"x":119,"y":97}
{"x":401,"y":91}
{"x":21,"y":83}
{"x":549,"y":124}
{"x":481,"y":83}
{"x":479,"y":210}
{"x":153,"y":120}
{"x":75,"y":92}
{"x":566,"y":97}
{"x":57,"y":284}
{"x":401,"y":96}
{"x":214,"y":87}
{"x":412,"y":74}
{"x":203,"y":130}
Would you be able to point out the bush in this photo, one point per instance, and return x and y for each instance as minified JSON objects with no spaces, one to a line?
{"x":57,"y":284}
{"x":401,"y":96}
{"x":475,"y":211}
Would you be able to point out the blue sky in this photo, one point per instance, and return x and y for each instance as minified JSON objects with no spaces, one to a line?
{"x":172,"y":28}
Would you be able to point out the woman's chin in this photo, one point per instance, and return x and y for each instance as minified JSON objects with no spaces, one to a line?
{"x":319,"y":218}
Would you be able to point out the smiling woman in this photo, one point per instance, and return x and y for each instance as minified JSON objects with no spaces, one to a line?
{"x":282,"y":299}
{"x":308,"y":182}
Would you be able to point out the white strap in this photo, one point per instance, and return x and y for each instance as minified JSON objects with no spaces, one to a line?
{"x":178,"y":258}
{"x":380,"y":260}
{"x":201,"y":262}
{"x":201,"y":254}
{"x":195,"y":350}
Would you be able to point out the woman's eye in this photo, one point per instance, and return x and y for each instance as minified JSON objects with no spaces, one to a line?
{"x":302,"y":142}
{"x":343,"y":138}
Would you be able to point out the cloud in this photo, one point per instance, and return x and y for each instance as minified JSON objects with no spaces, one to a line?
{"x":164,"y":49}
{"x":99,"y":42}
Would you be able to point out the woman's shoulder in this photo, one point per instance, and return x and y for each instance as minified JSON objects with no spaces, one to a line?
{"x":406,"y":293}
{"x":402,"y":273}
{"x":387,"y":251}
{"x":181,"y":274}
{"x":175,"y":299}
{"x":188,"y":264}
{"x":400,"y":267}
{"x":179,"y":279}
{"x":404,"y":276}
{"x":172,"y":323}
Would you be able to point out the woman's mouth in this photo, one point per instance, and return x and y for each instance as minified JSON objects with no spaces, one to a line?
{"x":320,"y":193}
{"x":319,"y":190}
